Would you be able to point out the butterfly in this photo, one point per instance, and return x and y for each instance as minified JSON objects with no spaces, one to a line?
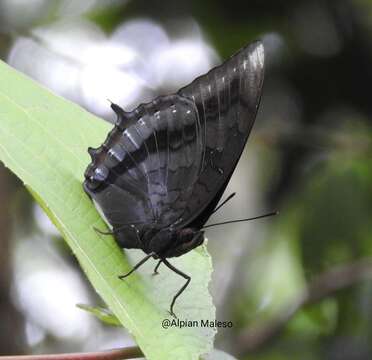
{"x":163,"y":168}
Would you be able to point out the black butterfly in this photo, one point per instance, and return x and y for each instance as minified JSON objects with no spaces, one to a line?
{"x":163,"y":168}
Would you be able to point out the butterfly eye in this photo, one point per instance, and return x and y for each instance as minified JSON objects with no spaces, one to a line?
{"x":141,"y":122}
{"x":90,"y":175}
{"x":101,"y":173}
{"x":113,"y":154}
{"x":117,"y":153}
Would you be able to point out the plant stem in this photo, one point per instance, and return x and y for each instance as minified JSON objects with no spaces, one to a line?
{"x":116,"y":354}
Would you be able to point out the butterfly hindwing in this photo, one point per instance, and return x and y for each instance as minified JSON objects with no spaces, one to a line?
{"x":145,"y":173}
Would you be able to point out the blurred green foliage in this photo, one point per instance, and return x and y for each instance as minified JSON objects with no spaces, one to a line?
{"x":313,"y":138}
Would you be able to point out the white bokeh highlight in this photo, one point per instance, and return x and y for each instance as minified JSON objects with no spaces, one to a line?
{"x":46,"y":290}
{"x":137,"y":62}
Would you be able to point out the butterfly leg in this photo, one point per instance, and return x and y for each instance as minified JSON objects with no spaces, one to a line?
{"x":98,"y":231}
{"x":180,"y":291}
{"x":118,"y":229}
{"x":157,"y":267}
{"x":223,"y":202}
{"x":121,"y":277}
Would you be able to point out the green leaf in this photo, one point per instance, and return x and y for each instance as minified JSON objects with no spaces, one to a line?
{"x":217,"y":355}
{"x":101,"y":313}
{"x":43,"y":140}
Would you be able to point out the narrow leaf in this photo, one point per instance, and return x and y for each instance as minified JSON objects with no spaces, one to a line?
{"x":101,"y":313}
{"x":43,"y":140}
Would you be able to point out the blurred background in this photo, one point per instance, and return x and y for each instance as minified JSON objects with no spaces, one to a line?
{"x":296,"y":286}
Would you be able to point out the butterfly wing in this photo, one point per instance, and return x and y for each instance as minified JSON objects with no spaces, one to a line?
{"x":227,"y":99}
{"x":169,"y":161}
{"x":145,"y":171}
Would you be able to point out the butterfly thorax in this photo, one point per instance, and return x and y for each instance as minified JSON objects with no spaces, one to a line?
{"x":171,"y":242}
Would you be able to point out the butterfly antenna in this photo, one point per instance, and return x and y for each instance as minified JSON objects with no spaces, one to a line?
{"x":224,"y":202}
{"x":241,"y":220}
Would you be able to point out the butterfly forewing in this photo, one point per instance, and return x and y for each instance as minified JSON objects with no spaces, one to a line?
{"x":227,"y":100}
